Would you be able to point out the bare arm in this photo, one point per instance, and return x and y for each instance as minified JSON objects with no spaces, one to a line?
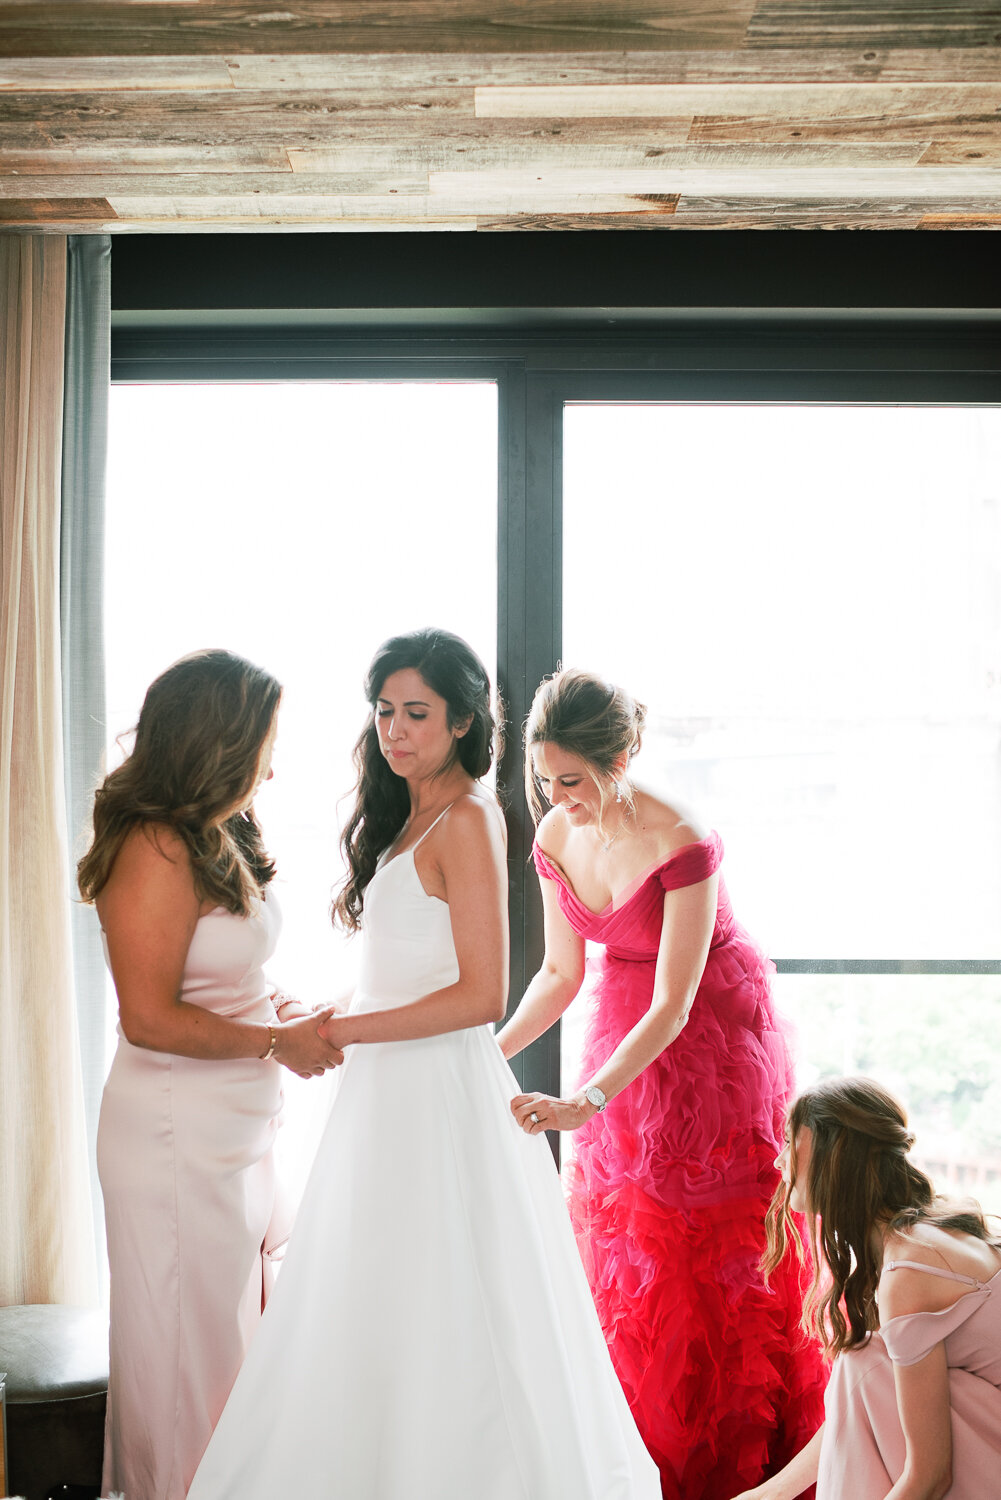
{"x":149,"y":910}
{"x":471,"y":859}
{"x":556,"y":983}
{"x":798,"y":1474}
{"x":922,"y":1394}
{"x":926,"y":1418}
{"x":686,"y":932}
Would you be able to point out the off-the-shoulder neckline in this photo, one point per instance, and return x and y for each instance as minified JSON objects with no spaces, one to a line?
{"x":979,"y":1290}
{"x":628,"y":891}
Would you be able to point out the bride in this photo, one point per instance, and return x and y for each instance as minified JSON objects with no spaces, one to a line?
{"x":431,"y":1336}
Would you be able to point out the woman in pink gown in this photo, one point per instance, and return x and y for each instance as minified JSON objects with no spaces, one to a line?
{"x":907,"y":1295}
{"x":180,"y":877}
{"x":669,"y":1184}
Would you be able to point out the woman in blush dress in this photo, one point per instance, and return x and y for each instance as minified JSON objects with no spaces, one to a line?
{"x":431,"y":1336}
{"x":180,"y":877}
{"x":670,"y":1182}
{"x":907,"y":1296}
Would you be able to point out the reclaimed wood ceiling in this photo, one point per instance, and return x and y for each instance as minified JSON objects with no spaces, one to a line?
{"x":499,"y":114}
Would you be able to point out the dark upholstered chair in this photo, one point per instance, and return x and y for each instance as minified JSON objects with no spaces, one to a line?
{"x":56,"y":1359}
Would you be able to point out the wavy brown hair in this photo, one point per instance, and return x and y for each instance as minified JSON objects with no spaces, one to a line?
{"x":859,"y":1181}
{"x":584,"y":716}
{"x":452,"y":669}
{"x":197,"y":755}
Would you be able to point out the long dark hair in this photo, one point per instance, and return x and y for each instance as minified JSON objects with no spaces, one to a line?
{"x":196,"y":757}
{"x":450,"y":668}
{"x":859,"y":1180}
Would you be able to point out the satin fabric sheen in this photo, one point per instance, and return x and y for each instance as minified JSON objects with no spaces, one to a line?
{"x":186,"y":1164}
{"x":668,"y":1190}
{"x":863,"y":1451}
{"x":431,"y":1335}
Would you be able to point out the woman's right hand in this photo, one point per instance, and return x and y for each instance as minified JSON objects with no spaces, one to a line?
{"x":301,"y":1047}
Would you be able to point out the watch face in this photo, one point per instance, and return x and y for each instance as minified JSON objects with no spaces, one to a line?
{"x":594,"y":1095}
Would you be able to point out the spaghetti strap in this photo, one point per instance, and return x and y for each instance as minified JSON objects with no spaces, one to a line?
{"x":913,"y":1265}
{"x":414,"y":847}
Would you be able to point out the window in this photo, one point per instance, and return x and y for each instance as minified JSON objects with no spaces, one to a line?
{"x":809,"y":600}
{"x":825,"y":657}
{"x":298,"y":524}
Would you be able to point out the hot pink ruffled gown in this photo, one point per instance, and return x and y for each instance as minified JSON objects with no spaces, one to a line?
{"x":863,"y":1450}
{"x":668,"y":1192}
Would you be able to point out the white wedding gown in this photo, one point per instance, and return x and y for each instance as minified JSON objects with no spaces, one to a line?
{"x":431,"y":1335}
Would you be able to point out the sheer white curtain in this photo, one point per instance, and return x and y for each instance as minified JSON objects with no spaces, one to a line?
{"x":46,"y":1235}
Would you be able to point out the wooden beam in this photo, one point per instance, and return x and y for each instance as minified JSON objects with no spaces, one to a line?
{"x":103,"y":28}
{"x":741,"y":100}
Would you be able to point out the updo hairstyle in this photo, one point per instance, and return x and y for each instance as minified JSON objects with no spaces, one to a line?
{"x":453,"y":670}
{"x":860,"y":1179}
{"x":196,"y":758}
{"x":587,"y":717}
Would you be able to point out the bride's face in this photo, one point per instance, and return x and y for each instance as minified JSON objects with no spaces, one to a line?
{"x":412,"y":724}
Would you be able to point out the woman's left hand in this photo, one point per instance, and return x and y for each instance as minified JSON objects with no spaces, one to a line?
{"x":535,"y":1112}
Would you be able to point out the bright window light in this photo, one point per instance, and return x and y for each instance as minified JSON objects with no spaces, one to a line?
{"x":808,"y":599}
{"x":298,"y":524}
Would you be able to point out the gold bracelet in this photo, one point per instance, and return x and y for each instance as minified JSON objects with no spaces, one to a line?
{"x":266,"y":1056}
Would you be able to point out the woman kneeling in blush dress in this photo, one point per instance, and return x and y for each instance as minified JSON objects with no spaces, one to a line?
{"x":907,"y":1295}
{"x":431,"y":1336}
{"x":669,"y":1184}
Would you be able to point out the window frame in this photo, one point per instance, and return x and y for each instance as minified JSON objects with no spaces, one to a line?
{"x":727,"y":358}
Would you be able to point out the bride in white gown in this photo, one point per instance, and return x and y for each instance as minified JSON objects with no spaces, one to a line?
{"x":432,"y":1335}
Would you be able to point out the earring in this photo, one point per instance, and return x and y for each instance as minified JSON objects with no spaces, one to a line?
{"x":618,"y":791}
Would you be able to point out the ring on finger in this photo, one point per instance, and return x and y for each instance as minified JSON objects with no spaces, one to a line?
{"x":534,"y":1118}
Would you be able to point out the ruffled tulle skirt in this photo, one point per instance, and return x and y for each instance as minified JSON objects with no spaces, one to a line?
{"x":668,"y":1191}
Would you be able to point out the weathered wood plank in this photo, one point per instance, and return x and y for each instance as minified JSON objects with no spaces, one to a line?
{"x":609,"y":153}
{"x":86,"y":74}
{"x":181,"y":208}
{"x":960,"y":221}
{"x":958,"y":184}
{"x":822,"y":206}
{"x":885,"y":23}
{"x":407,"y":74}
{"x":27,"y":211}
{"x":102,"y":28}
{"x":87,"y":161}
{"x":766,"y":216}
{"x":157,"y":115}
{"x":984,"y":148}
{"x":573,"y":221}
{"x":782,"y":100}
{"x":191,"y":185}
{"x":810,"y":131}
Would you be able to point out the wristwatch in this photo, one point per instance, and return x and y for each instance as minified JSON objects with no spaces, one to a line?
{"x":594,"y":1096}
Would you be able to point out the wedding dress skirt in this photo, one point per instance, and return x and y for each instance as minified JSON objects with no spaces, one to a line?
{"x":431,"y":1335}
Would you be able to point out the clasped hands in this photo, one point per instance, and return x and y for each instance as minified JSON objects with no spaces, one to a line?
{"x":308,"y":1042}
{"x":535,"y":1112}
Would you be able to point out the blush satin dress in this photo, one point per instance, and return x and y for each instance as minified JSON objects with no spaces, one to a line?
{"x":668,"y":1190}
{"x":431,"y":1335}
{"x":863,"y":1452}
{"x":185,"y":1157}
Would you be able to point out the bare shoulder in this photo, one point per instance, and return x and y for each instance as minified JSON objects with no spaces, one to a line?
{"x":670,"y":825}
{"x":474,"y":819}
{"x":905,"y":1290}
{"x":551,"y":833}
{"x":153,"y":858}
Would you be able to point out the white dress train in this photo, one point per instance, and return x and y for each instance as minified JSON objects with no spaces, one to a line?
{"x":432,"y":1335}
